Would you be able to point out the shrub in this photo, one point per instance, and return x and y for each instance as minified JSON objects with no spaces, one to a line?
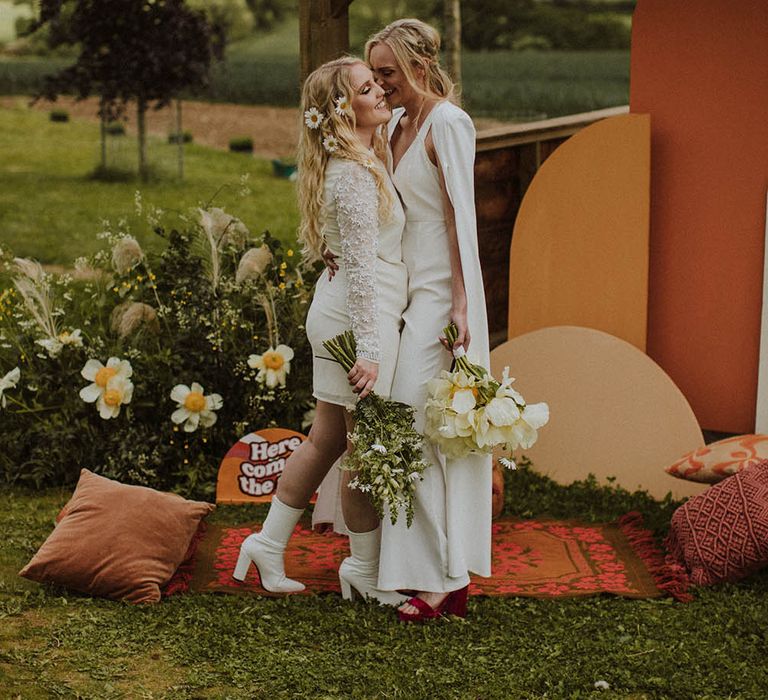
{"x":59,"y":115}
{"x":184,"y":137}
{"x":193,"y":313}
{"x":115,"y":129}
{"x":242,"y":144}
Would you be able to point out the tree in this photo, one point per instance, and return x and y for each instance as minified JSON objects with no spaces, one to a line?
{"x":147,"y":51}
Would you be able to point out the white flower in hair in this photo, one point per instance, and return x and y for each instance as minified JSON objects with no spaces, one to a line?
{"x":312,"y":118}
{"x":330,"y":144}
{"x":344,"y":106}
{"x":369,"y":163}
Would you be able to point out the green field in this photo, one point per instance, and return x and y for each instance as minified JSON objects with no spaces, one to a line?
{"x":264,"y":69}
{"x":51,"y":210}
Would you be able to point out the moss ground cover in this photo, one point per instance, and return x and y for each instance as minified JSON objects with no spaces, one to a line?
{"x":54,"y":643}
{"x":50,"y":208}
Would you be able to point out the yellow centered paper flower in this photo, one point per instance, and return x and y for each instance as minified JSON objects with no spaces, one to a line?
{"x":273,"y":365}
{"x":195,"y":409}
{"x":110,"y":385}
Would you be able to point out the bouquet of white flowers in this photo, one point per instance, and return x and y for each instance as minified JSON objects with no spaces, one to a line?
{"x":469,"y":411}
{"x":386,"y":449}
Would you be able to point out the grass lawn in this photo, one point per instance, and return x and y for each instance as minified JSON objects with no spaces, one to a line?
{"x":51,"y":210}
{"x":54,"y":643}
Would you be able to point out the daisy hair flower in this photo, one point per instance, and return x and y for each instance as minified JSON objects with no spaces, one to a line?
{"x":195,"y":409}
{"x":313,"y":118}
{"x":273,"y":365}
{"x":343,"y":106}
{"x":330,"y":144}
{"x":9,"y":381}
{"x":110,"y":386}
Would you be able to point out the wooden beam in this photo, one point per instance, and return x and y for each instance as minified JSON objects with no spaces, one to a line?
{"x":323,"y":32}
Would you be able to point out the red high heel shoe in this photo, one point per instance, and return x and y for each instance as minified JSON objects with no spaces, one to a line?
{"x":455,"y":603}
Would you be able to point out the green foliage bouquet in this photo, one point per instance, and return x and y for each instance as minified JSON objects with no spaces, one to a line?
{"x":386,"y":449}
{"x":148,"y":367}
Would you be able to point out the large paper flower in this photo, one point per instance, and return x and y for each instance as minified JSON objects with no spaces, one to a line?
{"x":195,"y":408}
{"x":9,"y":381}
{"x":110,"y":385}
{"x":273,"y":365}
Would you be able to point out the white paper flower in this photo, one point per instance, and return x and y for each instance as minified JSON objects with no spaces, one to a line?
{"x":376,"y":447}
{"x":273,"y":365}
{"x":344,"y":107}
{"x":312,"y":118}
{"x":195,"y":408}
{"x":110,"y":387}
{"x":9,"y":381}
{"x":119,"y":391}
{"x":330,"y":144}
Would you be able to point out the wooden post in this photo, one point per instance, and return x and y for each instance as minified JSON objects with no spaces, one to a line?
{"x":452,"y":38}
{"x":323,"y":32}
{"x":179,"y":140}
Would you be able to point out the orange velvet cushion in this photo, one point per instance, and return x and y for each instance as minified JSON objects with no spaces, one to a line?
{"x":117,"y":541}
{"x":716,"y":461}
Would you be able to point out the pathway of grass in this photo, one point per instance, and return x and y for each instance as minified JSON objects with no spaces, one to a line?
{"x":54,"y":643}
{"x":50,"y":209}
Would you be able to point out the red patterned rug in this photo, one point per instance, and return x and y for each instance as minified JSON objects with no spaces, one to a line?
{"x":537,"y":558}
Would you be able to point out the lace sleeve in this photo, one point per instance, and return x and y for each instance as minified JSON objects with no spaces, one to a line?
{"x":357,"y":201}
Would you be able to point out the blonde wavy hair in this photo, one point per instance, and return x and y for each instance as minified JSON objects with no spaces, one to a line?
{"x":416,"y":45}
{"x":321,"y":90}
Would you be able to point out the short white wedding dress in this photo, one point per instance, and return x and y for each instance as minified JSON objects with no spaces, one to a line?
{"x":369,"y":291}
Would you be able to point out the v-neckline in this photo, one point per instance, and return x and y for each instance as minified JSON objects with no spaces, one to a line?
{"x":410,"y":145}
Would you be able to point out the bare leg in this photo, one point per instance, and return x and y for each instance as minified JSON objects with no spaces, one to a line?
{"x":308,"y":465}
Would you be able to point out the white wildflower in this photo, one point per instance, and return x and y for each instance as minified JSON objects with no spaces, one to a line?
{"x":602,"y":685}
{"x":9,"y":381}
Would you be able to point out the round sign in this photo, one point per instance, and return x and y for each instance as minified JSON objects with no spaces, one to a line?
{"x":250,"y":470}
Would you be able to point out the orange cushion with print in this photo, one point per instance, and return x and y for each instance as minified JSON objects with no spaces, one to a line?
{"x":117,"y":541}
{"x":718,"y":460}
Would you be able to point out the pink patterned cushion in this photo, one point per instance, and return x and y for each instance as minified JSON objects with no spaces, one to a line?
{"x":718,"y":460}
{"x":722,"y":534}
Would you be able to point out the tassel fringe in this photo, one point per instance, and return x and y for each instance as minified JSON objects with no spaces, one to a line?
{"x":668,"y":575}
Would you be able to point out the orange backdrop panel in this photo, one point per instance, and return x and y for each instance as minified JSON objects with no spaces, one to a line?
{"x":700,"y":69}
{"x":579,"y":253}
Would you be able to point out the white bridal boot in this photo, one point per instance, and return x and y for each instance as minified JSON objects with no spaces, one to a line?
{"x":265,"y":549}
{"x":361,"y":570}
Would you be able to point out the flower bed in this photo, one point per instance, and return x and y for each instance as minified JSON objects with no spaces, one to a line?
{"x":146,"y":368}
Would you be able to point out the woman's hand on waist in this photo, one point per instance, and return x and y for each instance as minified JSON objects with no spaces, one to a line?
{"x":329,"y":259}
{"x":363,"y":376}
